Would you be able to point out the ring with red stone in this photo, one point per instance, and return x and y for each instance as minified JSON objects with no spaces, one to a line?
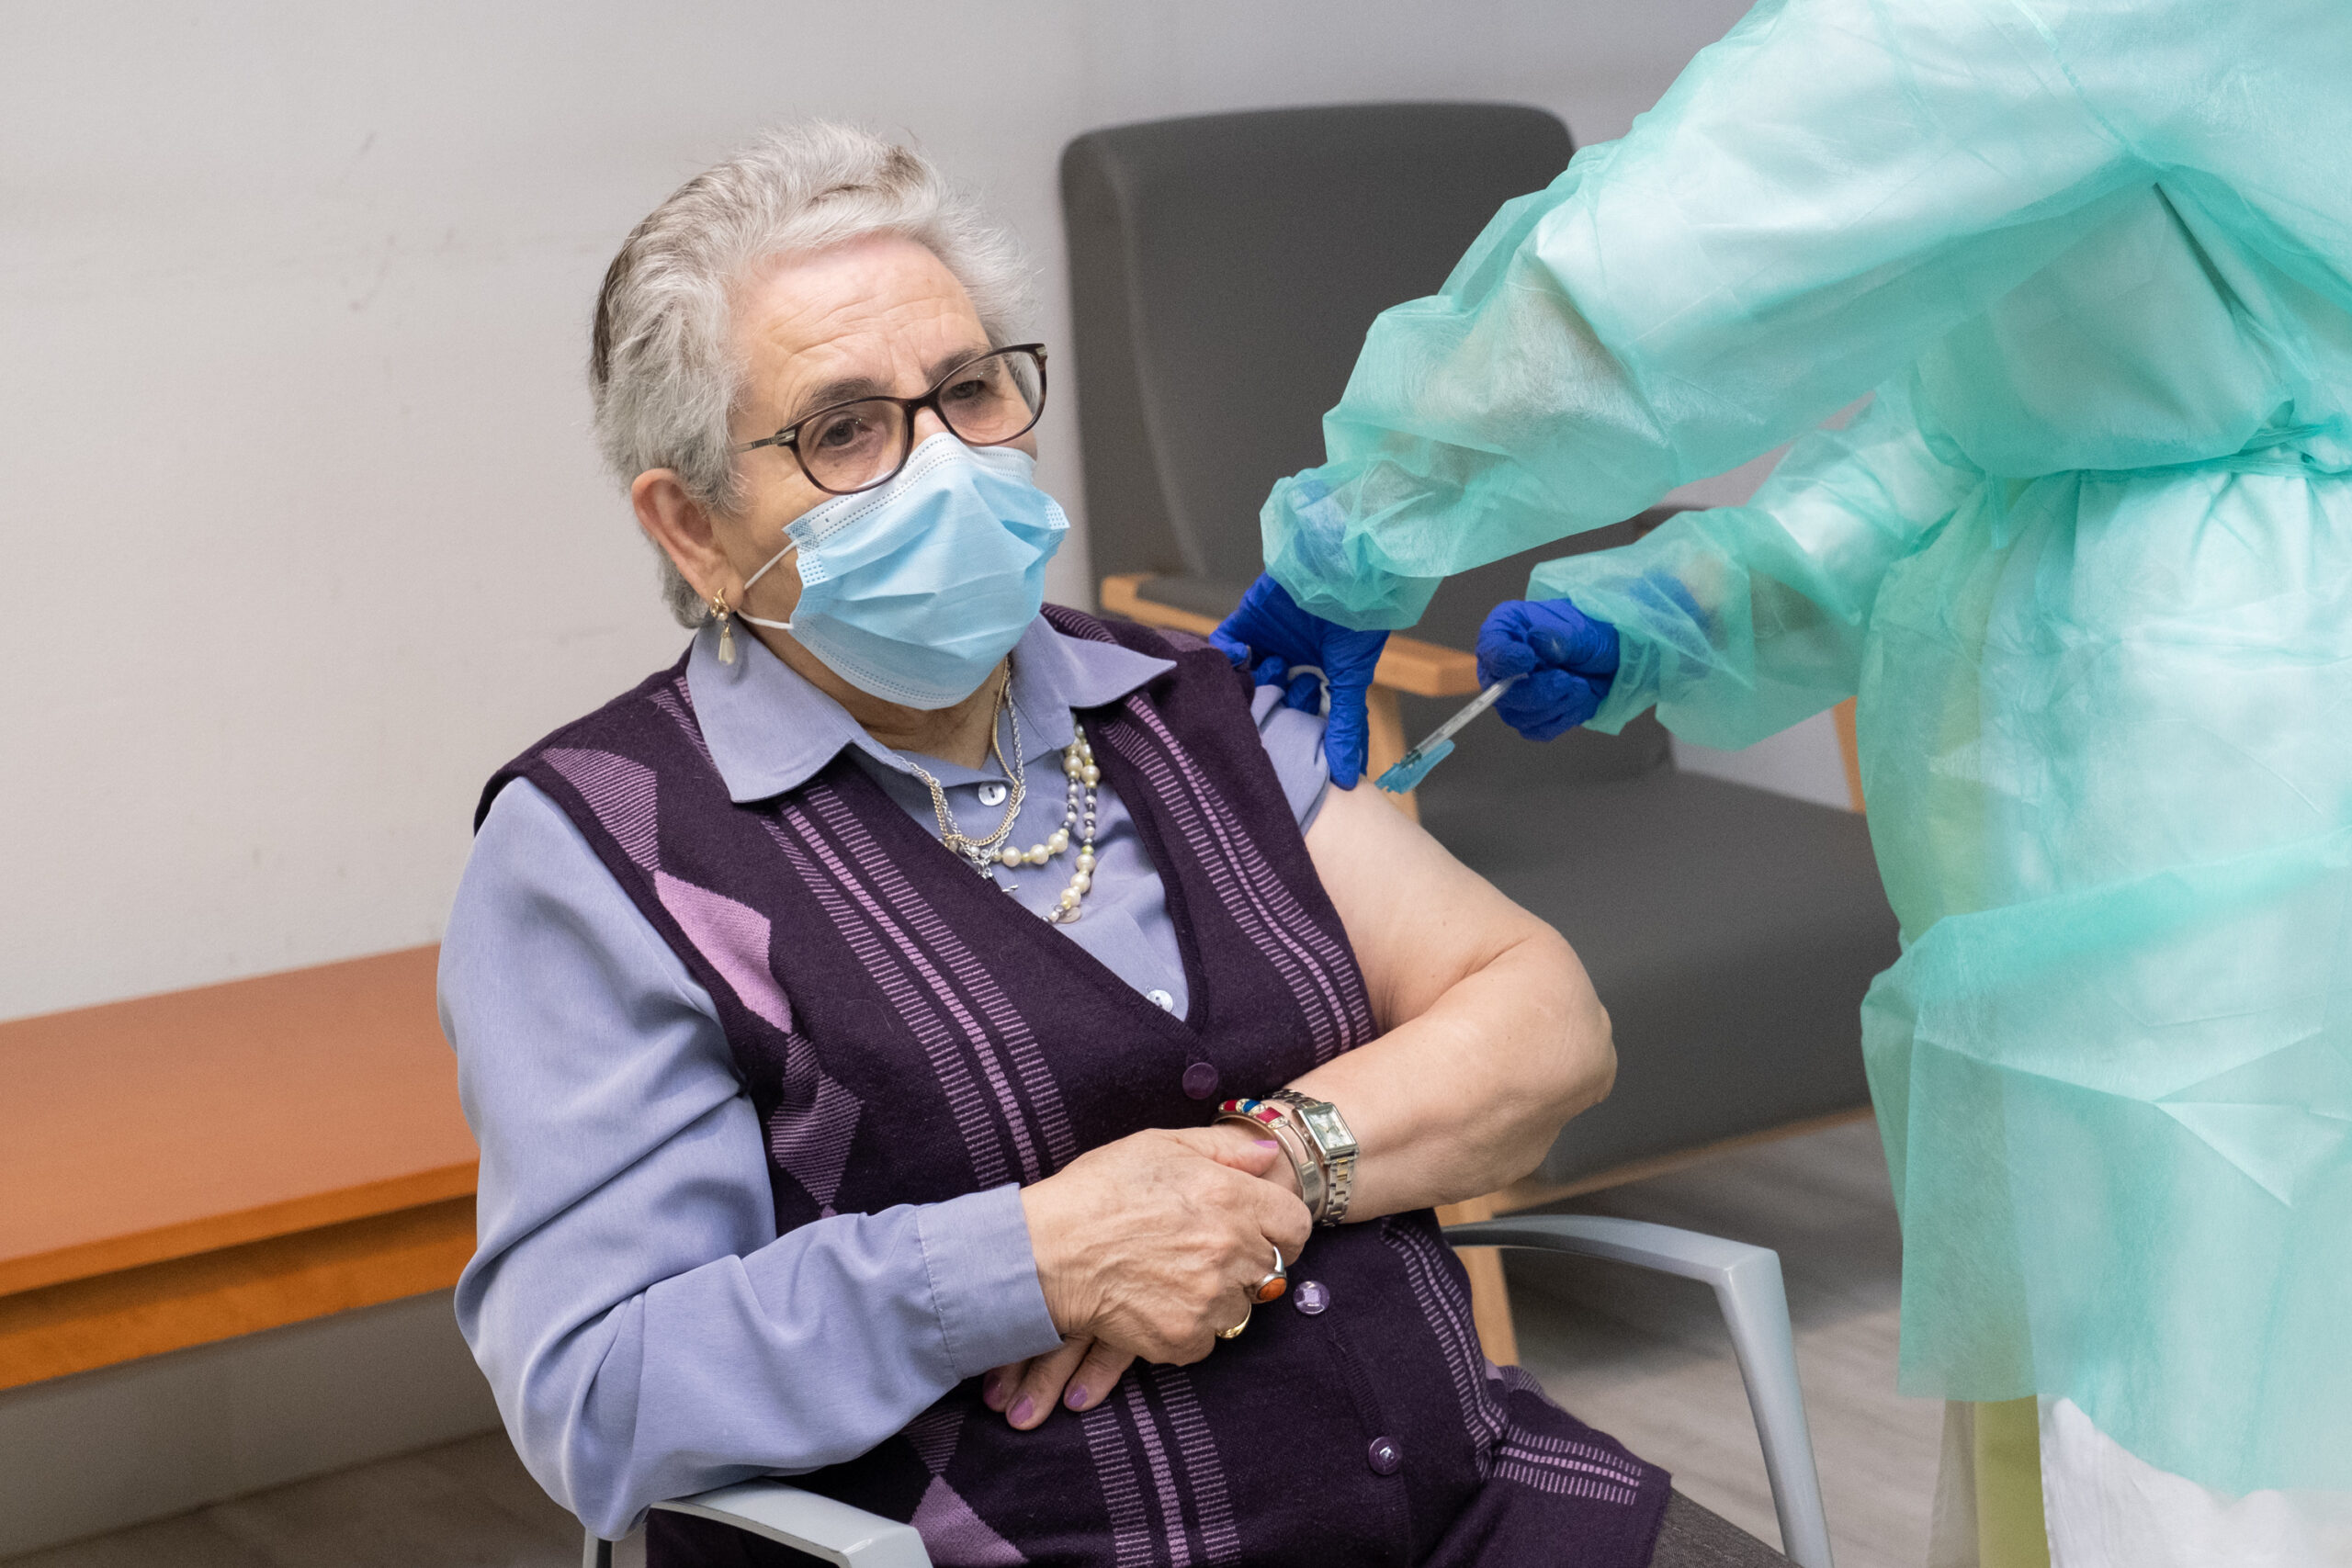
{"x":1271,"y":1286}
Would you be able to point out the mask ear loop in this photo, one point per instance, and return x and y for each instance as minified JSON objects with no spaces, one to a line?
{"x":917,"y":464}
{"x":745,"y":616}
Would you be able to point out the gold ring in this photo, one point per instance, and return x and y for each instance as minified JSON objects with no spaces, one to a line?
{"x":1271,"y":1286}
{"x":1234,"y":1332}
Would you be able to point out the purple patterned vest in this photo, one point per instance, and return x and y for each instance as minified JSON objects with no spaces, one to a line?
{"x":906,"y":1037}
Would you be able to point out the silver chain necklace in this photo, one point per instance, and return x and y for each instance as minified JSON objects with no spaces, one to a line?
{"x":984,"y":855}
{"x":980,"y":854}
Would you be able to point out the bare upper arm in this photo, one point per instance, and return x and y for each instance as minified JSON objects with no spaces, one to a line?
{"x":1419,"y":920}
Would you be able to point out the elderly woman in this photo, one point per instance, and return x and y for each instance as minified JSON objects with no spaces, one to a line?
{"x":847,"y":1011}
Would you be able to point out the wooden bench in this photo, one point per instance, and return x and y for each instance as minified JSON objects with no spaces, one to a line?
{"x":187,"y":1167}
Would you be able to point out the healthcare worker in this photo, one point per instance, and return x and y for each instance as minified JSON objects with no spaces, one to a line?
{"x":2086,"y":556}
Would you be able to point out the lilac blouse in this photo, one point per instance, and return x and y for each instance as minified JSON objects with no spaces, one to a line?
{"x":629,"y":1300}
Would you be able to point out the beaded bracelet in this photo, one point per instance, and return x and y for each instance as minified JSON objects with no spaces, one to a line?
{"x":1260,"y":1117}
{"x":1322,"y":1132}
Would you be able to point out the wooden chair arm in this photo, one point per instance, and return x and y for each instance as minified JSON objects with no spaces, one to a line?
{"x":1407,"y":664}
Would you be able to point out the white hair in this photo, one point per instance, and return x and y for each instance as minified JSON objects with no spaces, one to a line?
{"x":663,"y":365}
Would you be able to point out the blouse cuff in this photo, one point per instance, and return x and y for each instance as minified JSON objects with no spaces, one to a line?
{"x":983,"y":1279}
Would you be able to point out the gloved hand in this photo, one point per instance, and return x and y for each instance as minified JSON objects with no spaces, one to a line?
{"x":1569,"y":658}
{"x":1270,"y":637}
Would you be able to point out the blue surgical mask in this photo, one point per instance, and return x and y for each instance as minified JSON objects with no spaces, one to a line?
{"x":915,"y":590}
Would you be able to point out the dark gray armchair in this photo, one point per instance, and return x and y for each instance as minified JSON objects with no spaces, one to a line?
{"x":1223,"y":272}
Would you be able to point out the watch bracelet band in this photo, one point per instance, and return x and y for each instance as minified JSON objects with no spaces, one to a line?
{"x":1304,"y":1168}
{"x":1338,"y":1165}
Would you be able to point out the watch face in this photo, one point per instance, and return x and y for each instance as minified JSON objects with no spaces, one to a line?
{"x":1329,"y":1129}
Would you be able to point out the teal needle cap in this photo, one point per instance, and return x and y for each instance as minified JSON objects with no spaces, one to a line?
{"x":1414,"y":766}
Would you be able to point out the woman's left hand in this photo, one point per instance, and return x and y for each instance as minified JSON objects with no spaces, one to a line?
{"x":1080,"y":1374}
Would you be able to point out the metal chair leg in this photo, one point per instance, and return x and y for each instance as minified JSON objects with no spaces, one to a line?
{"x":1746,"y":1282}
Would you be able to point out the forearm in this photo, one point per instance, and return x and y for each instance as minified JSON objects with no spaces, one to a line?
{"x":1804,"y":213}
{"x":1492,"y":1037}
{"x":1737,"y":623}
{"x":1469,"y":1096}
{"x":804,"y":1353}
{"x":646,"y":1331}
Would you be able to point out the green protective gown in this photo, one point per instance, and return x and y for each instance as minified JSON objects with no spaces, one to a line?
{"x":2086,"y":558}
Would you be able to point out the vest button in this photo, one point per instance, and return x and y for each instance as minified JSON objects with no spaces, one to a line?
{"x":992,"y":794}
{"x":1311,"y":1296}
{"x":1384,"y":1457}
{"x":1200,"y":1078}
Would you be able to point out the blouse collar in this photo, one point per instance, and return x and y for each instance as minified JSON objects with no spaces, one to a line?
{"x":769,"y":730}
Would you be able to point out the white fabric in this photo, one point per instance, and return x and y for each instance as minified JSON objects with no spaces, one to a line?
{"x":2109,"y":1508}
{"x":1951,"y":1529}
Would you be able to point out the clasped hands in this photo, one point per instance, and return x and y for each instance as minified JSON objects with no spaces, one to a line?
{"x":1147,"y":1248}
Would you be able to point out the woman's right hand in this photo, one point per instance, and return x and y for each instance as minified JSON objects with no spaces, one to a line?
{"x":1150,"y":1244}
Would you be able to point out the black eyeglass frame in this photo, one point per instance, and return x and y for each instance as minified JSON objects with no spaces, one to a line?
{"x":789,"y":437}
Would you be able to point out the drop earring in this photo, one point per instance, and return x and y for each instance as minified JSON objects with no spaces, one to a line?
{"x":725,"y":627}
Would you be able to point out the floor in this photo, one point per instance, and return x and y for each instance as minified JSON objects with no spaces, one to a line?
{"x":1641,"y":1356}
{"x":468,"y":1505}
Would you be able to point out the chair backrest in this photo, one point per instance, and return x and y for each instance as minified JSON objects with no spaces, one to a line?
{"x":1223,"y":272}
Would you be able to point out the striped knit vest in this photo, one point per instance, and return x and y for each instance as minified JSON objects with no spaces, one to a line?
{"x":907,"y":1036}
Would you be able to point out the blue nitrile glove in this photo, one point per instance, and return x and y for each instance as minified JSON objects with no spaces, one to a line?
{"x":1569,"y":658}
{"x":1270,"y":637}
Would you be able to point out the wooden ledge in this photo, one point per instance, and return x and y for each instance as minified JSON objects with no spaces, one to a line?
{"x":212,"y":1232}
{"x":111,"y":1318}
{"x":272,"y":1143}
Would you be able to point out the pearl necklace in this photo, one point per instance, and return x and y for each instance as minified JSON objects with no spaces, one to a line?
{"x":984,"y":855}
{"x":1077,"y":811}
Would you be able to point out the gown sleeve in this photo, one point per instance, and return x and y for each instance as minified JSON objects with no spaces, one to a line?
{"x":1823,"y":193}
{"x":1739,"y":621}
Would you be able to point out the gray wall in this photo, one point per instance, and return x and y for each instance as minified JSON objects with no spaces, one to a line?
{"x":302,"y":531}
{"x":110,"y":1448}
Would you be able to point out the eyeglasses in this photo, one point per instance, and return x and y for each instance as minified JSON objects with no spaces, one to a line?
{"x":851,"y":447}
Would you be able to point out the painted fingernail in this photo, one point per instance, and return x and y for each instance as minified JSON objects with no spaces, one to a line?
{"x":1076,"y":1397}
{"x":1267,"y":1143}
{"x":1023,"y":1408}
